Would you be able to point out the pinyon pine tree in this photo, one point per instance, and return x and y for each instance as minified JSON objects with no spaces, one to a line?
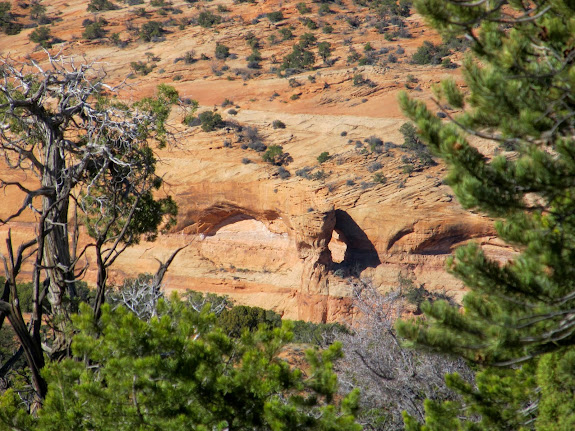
{"x":178,"y":371}
{"x":518,"y":320}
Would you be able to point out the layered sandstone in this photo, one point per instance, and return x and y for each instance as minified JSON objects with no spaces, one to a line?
{"x":287,"y":244}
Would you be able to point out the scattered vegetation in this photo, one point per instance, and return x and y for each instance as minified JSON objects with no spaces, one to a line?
{"x":278,"y":124}
{"x":429,"y":53}
{"x":275,"y":16}
{"x":210,"y":121}
{"x":101,"y":5}
{"x":208,"y":19}
{"x":222,"y":51}
{"x":323,"y":157}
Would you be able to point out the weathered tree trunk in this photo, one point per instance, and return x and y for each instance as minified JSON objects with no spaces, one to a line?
{"x":56,"y":257}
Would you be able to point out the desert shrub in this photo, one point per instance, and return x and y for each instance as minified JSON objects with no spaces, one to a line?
{"x":294,"y":83}
{"x":240,"y":318}
{"x":298,"y":59}
{"x":94,"y":30}
{"x":232,"y":112}
{"x":276,"y":156}
{"x":190,"y":57}
{"x":327,"y":29}
{"x":42,"y":36}
{"x":344,"y":133}
{"x":151,"y":30}
{"x":275,"y":16}
{"x":142,"y":68}
{"x":257,"y":146}
{"x":101,"y":5}
{"x":252,"y":40}
{"x":208,"y":19}
{"x":428,"y":53}
{"x":283,"y":173}
{"x":285,"y":33}
{"x":323,"y":157}
{"x":375,"y":166}
{"x":8,"y":25}
{"x":117,"y":41}
{"x":303,"y":8}
{"x":379,"y":178}
{"x":350,"y":183}
{"x":320,"y":334}
{"x":459,"y":44}
{"x":210,"y":121}
{"x":222,"y":51}
{"x":448,"y":64}
{"x":353,"y":21}
{"x":358,"y":79}
{"x":246,"y":161}
{"x":295,"y":96}
{"x":273,"y":153}
{"x":307,"y":39}
{"x":254,"y":56}
{"x":278,"y":124}
{"x":324,"y":50}
{"x":318,"y":175}
{"x":375,"y":144}
{"x":304,"y":172}
{"x":324,"y":9}
{"x":309,"y":23}
{"x":37,"y":11}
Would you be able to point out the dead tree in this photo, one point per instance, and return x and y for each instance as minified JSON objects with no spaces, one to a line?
{"x":392,"y":378}
{"x":93,"y":163}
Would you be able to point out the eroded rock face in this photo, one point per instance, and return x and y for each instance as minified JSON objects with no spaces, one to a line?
{"x":285,"y":244}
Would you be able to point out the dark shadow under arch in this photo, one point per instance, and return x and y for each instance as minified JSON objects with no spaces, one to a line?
{"x":360,"y":253}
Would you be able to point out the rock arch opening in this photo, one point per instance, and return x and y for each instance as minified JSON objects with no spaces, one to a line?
{"x":359,"y":252}
{"x":338,"y":246}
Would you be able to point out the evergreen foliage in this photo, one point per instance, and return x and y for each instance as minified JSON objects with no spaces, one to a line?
{"x":180,"y":372}
{"x":517,"y":323}
{"x":210,"y":121}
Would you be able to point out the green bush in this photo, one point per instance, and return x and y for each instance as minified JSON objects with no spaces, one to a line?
{"x":95,"y":30}
{"x":142,"y":68}
{"x":101,"y":5}
{"x":428,"y":53}
{"x":7,"y":23}
{"x":298,"y":59}
{"x":278,"y":124}
{"x":379,"y":178}
{"x":273,"y":154}
{"x":324,"y":9}
{"x":208,"y":19}
{"x":307,"y":39}
{"x":327,"y":29}
{"x":243,"y":318}
{"x":320,"y":334}
{"x":151,"y":30}
{"x":285,"y":33}
{"x":275,"y":16}
{"x":210,"y":121}
{"x":303,"y":8}
{"x":42,"y":36}
{"x":323,"y":157}
{"x":222,"y":51}
{"x":324,"y":50}
{"x":309,"y":23}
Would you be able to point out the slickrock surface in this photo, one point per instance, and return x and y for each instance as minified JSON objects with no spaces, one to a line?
{"x":286,"y":244}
